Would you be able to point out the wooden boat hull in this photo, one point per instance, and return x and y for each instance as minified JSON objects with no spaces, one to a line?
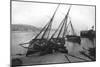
{"x":38,"y":45}
{"x":57,"y":45}
{"x":73,"y":38}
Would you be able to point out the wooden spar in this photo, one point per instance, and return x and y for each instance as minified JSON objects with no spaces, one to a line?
{"x":60,"y":24}
{"x":41,"y":31}
{"x":60,"y":30}
{"x":72,"y":27}
{"x":68,"y":12}
{"x":46,"y":30}
{"x":66,"y":17}
{"x":49,"y":31}
{"x":50,"y":22}
{"x":65,"y":28}
{"x":56,"y":30}
{"x":52,"y":19}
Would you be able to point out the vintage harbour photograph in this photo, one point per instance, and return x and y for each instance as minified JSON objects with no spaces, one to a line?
{"x":52,"y":33}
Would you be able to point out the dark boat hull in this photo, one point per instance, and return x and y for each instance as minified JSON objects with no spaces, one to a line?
{"x":36,"y":47}
{"x":73,"y":38}
{"x":56,"y":46}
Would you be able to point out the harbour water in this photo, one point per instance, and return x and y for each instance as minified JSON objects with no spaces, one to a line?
{"x":21,"y":37}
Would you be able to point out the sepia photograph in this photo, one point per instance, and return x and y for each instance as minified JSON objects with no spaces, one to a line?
{"x":51,"y":33}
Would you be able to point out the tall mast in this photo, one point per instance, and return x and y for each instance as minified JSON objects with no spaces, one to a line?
{"x":41,"y":30}
{"x":61,"y":24}
{"x":72,"y":28}
{"x":50,"y":23}
{"x":65,"y":23}
{"x":66,"y":17}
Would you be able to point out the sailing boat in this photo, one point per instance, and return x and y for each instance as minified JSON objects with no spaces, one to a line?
{"x":43,"y":44}
{"x":39,"y":43}
{"x":57,"y":40}
{"x":72,"y":37}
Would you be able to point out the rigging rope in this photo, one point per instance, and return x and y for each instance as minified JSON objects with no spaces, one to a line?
{"x":50,"y":22}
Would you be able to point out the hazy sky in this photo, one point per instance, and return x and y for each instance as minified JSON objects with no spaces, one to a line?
{"x":83,"y":17}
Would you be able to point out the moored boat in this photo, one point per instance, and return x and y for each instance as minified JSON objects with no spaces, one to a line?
{"x":73,"y":37}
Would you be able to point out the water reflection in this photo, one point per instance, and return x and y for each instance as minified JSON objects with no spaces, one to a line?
{"x":76,"y":47}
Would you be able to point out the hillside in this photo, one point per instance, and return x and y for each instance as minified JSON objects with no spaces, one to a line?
{"x":24,"y":28}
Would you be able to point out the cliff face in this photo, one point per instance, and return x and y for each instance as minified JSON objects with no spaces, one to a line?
{"x":24,"y":28}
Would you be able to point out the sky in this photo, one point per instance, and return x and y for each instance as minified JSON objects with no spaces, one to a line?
{"x":37,"y":14}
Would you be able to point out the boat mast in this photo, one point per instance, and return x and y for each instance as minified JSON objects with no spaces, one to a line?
{"x":45,"y":28}
{"x":66,"y":17}
{"x":72,"y":27}
{"x":61,"y":25}
{"x":50,"y":24}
